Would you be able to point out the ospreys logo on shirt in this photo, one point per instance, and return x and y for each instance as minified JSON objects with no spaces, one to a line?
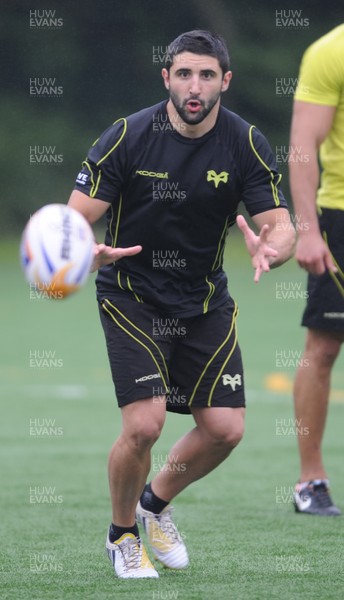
{"x":217,"y":177}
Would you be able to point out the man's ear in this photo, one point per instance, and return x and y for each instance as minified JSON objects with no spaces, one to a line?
{"x":166,"y":78}
{"x":226,"y":81}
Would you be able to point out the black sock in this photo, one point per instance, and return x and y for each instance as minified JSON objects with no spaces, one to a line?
{"x":116,"y":531}
{"x":149,"y":501}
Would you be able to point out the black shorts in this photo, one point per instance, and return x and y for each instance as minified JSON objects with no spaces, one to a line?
{"x":325,"y":303}
{"x":194,"y":361}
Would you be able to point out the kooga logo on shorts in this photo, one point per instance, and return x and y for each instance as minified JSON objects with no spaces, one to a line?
{"x":146,"y":377}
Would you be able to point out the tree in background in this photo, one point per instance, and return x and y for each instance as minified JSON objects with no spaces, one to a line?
{"x":70,"y":70}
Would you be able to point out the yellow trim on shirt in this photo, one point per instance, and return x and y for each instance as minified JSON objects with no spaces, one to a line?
{"x":272,"y":176}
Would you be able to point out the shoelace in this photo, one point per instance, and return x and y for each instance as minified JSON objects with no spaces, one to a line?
{"x":322,"y":495}
{"x":167,"y":525}
{"x":132,"y":553}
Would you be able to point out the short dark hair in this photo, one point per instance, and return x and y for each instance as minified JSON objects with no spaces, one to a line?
{"x":199,"y":41}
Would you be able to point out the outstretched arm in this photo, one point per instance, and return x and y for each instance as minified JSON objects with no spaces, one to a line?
{"x":274,"y":244}
{"x":93,"y":209}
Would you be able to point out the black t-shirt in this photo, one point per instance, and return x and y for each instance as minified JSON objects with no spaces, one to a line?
{"x":177,"y":197}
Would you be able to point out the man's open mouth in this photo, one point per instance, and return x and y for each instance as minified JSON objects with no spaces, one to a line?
{"x":194,"y":105}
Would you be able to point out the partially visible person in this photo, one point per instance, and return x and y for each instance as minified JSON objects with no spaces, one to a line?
{"x":318,"y":125}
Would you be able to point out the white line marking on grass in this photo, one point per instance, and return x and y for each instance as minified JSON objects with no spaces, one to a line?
{"x":68,"y":391}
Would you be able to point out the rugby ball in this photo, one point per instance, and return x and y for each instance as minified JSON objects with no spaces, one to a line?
{"x":56,"y":250}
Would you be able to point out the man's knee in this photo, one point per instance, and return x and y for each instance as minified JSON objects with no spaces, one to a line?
{"x":223,"y":429}
{"x":142,"y":425}
{"x":142,"y":435}
{"x":229,"y":437}
{"x":323,"y":348}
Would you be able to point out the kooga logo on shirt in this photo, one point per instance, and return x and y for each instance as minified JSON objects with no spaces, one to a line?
{"x":153,"y":174}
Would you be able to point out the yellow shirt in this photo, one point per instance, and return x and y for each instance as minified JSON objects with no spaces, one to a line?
{"x":321,"y":81}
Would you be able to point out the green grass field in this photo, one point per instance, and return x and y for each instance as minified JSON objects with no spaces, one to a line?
{"x":244,"y":539}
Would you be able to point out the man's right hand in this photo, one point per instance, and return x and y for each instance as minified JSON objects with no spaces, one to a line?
{"x":313,"y":254}
{"x":105,"y":255}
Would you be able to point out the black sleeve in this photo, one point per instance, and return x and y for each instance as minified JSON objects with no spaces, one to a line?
{"x":261,"y":180}
{"x":102,"y":172}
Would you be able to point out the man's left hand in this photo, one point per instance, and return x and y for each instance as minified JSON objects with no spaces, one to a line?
{"x":258,"y":247}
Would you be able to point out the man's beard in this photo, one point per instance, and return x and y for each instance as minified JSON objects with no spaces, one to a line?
{"x":193,"y":118}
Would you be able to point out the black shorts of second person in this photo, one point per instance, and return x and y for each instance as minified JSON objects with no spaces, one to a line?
{"x":195,"y":362}
{"x":325,"y":303}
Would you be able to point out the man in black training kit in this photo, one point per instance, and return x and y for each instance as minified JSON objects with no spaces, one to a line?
{"x":170,"y":179}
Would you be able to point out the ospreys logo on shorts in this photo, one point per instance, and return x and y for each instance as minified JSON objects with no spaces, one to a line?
{"x":232,"y":381}
{"x":147,"y":377}
{"x":217,"y":177}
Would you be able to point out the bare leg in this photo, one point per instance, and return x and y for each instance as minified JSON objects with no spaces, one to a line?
{"x":129,"y":459}
{"x":217,"y":432}
{"x":311,"y":394}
